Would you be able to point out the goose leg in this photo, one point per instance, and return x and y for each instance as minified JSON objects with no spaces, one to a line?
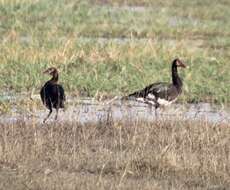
{"x":156,"y":107}
{"x":152,"y":103}
{"x":59,"y":104}
{"x":150,"y":108}
{"x":47,"y":115}
{"x":56,"y":116}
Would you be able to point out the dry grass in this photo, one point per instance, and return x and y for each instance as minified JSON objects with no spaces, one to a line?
{"x":168,"y":155}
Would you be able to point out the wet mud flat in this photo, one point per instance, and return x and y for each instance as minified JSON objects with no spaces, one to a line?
{"x":88,"y":110}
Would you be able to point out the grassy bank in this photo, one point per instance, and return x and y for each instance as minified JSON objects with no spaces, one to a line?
{"x":106,"y":47}
{"x":166,"y":155}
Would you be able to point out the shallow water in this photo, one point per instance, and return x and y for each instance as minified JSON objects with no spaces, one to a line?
{"x":88,"y":110}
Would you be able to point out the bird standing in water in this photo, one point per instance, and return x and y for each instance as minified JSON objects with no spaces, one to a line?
{"x":52,"y":94}
{"x":161,"y":93}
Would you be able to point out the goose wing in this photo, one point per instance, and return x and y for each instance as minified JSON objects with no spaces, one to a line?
{"x":156,"y":89}
{"x":61,"y":93}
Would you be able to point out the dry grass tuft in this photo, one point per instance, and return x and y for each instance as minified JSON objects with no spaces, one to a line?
{"x":167,"y":155}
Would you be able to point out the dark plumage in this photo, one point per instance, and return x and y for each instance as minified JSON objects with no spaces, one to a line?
{"x":52,"y":93}
{"x":161,"y":93}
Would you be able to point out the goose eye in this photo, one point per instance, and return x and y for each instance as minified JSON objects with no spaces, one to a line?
{"x":179,"y":63}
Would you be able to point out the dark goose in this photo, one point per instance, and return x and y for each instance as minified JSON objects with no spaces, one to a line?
{"x":161,"y":93}
{"x":52,"y":93}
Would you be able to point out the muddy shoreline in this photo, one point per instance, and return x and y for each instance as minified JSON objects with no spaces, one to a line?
{"x":88,"y":110}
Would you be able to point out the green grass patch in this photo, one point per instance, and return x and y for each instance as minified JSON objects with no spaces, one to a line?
{"x":115,"y":47}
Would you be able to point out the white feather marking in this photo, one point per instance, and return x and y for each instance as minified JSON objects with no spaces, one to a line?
{"x":151,"y":96}
{"x":165,"y":102}
{"x":140,"y":99}
{"x":145,"y":101}
{"x":150,"y":102}
{"x":158,"y":90}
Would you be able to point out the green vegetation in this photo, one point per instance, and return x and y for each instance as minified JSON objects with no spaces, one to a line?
{"x":168,"y":155}
{"x":106,"y":47}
